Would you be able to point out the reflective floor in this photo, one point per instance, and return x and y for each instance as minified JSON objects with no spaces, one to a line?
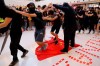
{"x":87,"y":55}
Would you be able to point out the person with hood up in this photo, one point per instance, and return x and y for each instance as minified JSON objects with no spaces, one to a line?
{"x":69,"y":25}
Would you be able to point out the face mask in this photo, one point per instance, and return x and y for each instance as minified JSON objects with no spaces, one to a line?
{"x":31,"y":10}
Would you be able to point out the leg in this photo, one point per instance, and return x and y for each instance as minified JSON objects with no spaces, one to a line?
{"x":66,"y":41}
{"x":14,"y":46}
{"x":89,"y":29}
{"x":56,"y":33}
{"x":98,"y":25}
{"x":54,"y":27}
{"x":72,"y":39}
{"x":13,"y":49}
{"x":39,"y":39}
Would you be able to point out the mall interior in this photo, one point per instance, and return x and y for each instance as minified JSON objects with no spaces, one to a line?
{"x":50,"y":33}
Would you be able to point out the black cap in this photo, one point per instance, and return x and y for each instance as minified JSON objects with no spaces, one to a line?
{"x":31,"y":4}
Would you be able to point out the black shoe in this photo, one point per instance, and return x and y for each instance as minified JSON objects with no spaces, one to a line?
{"x":64,"y":51}
{"x":13,"y":62}
{"x":71,"y":46}
{"x":24,"y":54}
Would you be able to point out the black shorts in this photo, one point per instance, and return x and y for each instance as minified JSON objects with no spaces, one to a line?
{"x":55,"y":28}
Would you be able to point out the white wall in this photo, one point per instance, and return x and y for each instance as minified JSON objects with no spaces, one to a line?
{"x":17,"y":2}
{"x":44,"y":2}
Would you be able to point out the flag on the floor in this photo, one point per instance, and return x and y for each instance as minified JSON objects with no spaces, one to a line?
{"x":52,"y":49}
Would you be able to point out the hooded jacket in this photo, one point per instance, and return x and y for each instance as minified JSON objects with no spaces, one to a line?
{"x":69,"y":16}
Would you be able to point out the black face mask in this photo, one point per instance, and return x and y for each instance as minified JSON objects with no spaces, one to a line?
{"x":31,"y":10}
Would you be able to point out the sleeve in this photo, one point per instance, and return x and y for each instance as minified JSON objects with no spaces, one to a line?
{"x":39,"y":15}
{"x":10,"y":13}
{"x":60,"y":7}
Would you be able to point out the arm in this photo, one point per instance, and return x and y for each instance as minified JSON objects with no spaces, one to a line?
{"x":26,"y":14}
{"x":50,"y":19}
{"x":60,"y":7}
{"x":88,"y":14}
{"x":80,"y":16}
{"x":6,"y":22}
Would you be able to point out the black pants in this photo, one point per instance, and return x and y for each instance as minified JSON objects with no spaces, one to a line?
{"x":91,"y":28}
{"x":81,"y":26}
{"x":69,"y":37}
{"x":14,"y":45}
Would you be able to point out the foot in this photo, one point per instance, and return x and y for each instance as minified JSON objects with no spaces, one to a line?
{"x":72,"y":47}
{"x":64,"y":51}
{"x":55,"y":38}
{"x":13,"y":62}
{"x":56,"y":42}
{"x":93,"y":32}
{"x":24,"y":54}
{"x":43,"y":48}
{"x":88,"y":33}
{"x":78,"y":33}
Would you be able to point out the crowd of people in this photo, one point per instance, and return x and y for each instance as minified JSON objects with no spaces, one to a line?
{"x":87,"y":18}
{"x":54,"y":15}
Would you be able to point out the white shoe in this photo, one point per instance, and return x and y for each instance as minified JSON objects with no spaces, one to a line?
{"x":43,"y":48}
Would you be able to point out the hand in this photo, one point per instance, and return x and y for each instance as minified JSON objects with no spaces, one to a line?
{"x":50,"y":5}
{"x":13,"y":8}
{"x":29,"y":18}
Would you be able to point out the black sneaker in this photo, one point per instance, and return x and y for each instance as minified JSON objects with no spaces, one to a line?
{"x":24,"y":54}
{"x":64,"y":51}
{"x":13,"y":62}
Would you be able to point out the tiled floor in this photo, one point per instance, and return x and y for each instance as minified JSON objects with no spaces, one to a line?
{"x":87,"y":55}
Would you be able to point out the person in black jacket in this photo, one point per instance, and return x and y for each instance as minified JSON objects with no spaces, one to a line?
{"x":15,"y":31}
{"x":69,"y":25}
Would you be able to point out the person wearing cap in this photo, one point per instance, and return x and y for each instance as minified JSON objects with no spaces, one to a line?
{"x":39,"y":24}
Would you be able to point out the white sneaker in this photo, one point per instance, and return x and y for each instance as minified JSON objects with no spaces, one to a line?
{"x":43,"y":48}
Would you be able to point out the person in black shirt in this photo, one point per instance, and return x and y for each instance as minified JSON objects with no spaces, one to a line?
{"x":15,"y":32}
{"x":38,"y":23}
{"x":55,"y":18}
{"x":69,"y":25}
{"x":80,"y":15}
{"x":91,"y":22}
